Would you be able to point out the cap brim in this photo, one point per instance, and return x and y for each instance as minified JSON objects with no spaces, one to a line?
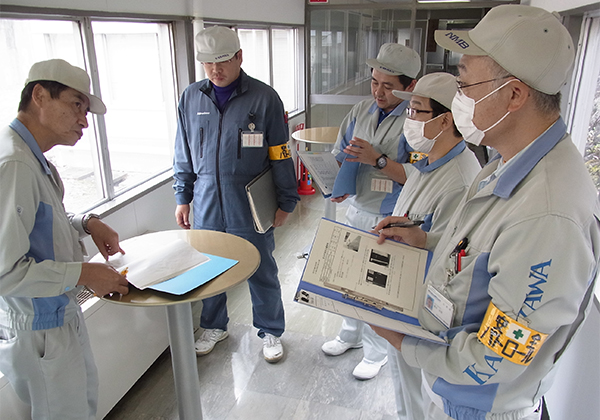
{"x":96,"y":104}
{"x":402,"y":94}
{"x":457,"y":41}
{"x":214,"y":58}
{"x":373,"y":63}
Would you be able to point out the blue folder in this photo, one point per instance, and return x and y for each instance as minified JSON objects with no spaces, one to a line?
{"x":196,"y":276}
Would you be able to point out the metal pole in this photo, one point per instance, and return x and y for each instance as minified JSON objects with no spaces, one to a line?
{"x":185,"y":366}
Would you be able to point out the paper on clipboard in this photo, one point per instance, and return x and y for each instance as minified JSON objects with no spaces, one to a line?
{"x":323,"y":167}
{"x":348,"y":273}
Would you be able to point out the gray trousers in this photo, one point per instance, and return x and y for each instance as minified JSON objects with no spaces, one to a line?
{"x":52,"y":370}
{"x":407,"y":386}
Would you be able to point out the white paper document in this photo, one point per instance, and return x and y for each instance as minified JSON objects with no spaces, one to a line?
{"x":149,"y":263}
{"x":323,"y":167}
{"x":348,"y":273}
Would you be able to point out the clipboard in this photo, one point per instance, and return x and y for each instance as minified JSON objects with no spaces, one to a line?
{"x":262,"y":197}
{"x":350,"y":274}
{"x":323,"y":167}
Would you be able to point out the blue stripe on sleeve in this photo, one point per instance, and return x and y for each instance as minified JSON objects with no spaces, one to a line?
{"x":49,"y":312}
{"x":478,"y":299}
{"x":466,"y":401}
{"x":41,"y":243}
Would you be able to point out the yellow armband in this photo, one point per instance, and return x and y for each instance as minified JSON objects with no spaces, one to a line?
{"x":416,"y":156}
{"x":279,"y":152}
{"x":508,"y":338}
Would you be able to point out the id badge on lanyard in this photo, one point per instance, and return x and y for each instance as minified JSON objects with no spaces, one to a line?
{"x":252,"y":138}
{"x":439,"y":306}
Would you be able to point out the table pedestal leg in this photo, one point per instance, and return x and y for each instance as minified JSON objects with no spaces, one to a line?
{"x":329,"y":209}
{"x":185,"y":366}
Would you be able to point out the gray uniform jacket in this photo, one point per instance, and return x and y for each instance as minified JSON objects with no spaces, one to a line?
{"x":40,"y":259}
{"x":432,"y":192}
{"x":533,"y":251}
{"x":386,"y":138}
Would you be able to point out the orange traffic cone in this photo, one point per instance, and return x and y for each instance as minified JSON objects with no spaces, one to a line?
{"x":305,"y":183}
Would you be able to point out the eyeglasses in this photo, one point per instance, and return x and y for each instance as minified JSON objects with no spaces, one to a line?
{"x":461,"y":85}
{"x":413,"y":112}
{"x":210,"y":63}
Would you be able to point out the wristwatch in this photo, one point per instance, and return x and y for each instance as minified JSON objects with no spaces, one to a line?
{"x":381,"y":161}
{"x":86,"y":219}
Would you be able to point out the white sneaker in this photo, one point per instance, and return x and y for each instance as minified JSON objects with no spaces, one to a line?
{"x":272,"y":348}
{"x":208,"y":339}
{"x":338,"y":346}
{"x":368,"y":370}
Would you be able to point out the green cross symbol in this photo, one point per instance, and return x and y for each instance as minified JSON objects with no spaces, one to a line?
{"x":518,"y":334}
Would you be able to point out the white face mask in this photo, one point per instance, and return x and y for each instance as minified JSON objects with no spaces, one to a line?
{"x":414,"y":131}
{"x":463,"y":109}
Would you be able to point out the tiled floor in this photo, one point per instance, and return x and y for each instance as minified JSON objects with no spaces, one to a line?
{"x":236,"y":382}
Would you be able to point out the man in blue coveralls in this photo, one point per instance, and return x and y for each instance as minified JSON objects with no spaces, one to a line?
{"x":231,"y":127}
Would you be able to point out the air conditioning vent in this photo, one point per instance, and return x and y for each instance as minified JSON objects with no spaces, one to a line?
{"x":83,"y":296}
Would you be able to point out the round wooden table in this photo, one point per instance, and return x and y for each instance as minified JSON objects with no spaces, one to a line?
{"x":323,"y":135}
{"x":179,"y":308}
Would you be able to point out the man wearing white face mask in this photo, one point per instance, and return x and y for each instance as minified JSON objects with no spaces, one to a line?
{"x":433,"y":188}
{"x":513,"y":275}
{"x":464,"y":109}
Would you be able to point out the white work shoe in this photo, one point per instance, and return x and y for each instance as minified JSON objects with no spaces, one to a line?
{"x":272,"y":348}
{"x":338,"y":346}
{"x":208,"y":339}
{"x":368,"y":370}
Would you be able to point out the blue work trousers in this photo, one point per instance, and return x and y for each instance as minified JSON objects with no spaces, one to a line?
{"x":265,"y":291}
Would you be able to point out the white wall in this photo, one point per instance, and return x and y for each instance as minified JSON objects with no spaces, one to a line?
{"x":559,"y":5}
{"x":152,"y":212}
{"x":276,"y":11}
{"x":171,"y":7}
{"x":279,"y":11}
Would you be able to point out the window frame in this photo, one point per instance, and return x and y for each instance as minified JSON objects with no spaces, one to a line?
{"x":300,"y":103}
{"x":181,"y":42}
{"x":580,"y":88}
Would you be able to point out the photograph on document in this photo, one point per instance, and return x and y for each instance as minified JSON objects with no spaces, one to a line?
{"x":350,"y":261}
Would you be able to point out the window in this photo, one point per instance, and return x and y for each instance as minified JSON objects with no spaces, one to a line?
{"x":255,"y":49}
{"x":286,"y":66}
{"x":584,"y":114}
{"x":133,"y":142}
{"x":138,"y":88}
{"x":340,"y":43}
{"x":592,"y":147}
{"x":29,"y":41}
{"x":271,"y":56}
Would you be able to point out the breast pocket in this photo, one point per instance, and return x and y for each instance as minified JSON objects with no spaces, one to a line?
{"x":251,"y":145}
{"x":389,"y":145}
{"x":197,"y":143}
